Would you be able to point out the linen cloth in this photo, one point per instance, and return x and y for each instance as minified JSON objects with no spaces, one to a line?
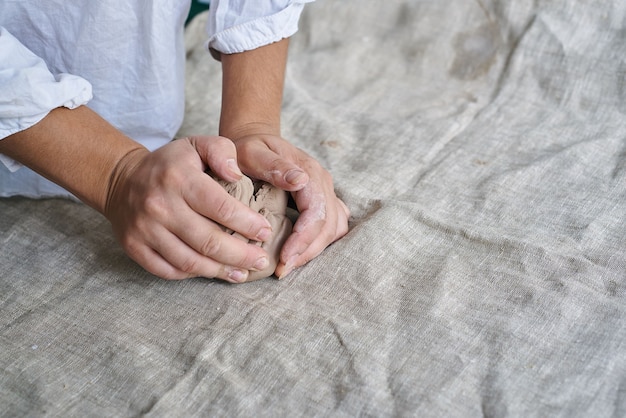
{"x":482,"y":149}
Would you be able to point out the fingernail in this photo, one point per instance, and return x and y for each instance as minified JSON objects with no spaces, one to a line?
{"x":232,"y":166}
{"x":285,"y":271}
{"x":261,"y":263}
{"x":264,"y":234}
{"x":294,"y":176}
{"x":238,"y":275}
{"x":289,"y":265}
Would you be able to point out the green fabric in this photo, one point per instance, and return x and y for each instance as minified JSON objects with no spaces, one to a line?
{"x":196,"y":8}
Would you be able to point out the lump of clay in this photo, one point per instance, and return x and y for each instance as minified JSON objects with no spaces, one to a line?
{"x":270,"y":202}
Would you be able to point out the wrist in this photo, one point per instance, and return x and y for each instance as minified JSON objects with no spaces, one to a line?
{"x":123,"y":169}
{"x":236,"y":131}
{"x":252,"y":90}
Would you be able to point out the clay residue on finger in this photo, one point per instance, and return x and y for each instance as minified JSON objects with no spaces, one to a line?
{"x":269,"y":201}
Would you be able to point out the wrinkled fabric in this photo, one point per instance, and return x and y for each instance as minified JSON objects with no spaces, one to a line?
{"x":237,"y":26}
{"x":481,"y":148}
{"x":29,"y":90}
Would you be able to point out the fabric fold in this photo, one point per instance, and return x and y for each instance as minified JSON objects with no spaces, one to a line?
{"x":237,"y":29}
{"x":30,"y":91}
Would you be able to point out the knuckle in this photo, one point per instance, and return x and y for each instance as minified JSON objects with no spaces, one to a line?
{"x":189,"y":266}
{"x":313,"y":165}
{"x":226,"y":144}
{"x":220,"y":272}
{"x":278,"y":164}
{"x":136,"y":251}
{"x":133,"y":244}
{"x":226,"y":211}
{"x":172,"y":274}
{"x":211,"y":245}
{"x":130,"y":246}
{"x":172,"y":175}
{"x":244,"y":147}
{"x":248,"y":258}
{"x":155,"y":206}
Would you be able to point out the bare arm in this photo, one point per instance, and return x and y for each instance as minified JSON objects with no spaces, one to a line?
{"x":252,"y":90}
{"x":75,"y":149}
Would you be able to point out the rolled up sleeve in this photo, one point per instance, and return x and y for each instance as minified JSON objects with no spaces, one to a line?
{"x":239,"y":25}
{"x":29,"y":91}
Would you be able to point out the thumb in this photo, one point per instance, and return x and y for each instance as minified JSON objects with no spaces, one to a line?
{"x":259,"y":161}
{"x":219,"y":154}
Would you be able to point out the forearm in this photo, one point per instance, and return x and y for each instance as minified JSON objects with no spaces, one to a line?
{"x":252,"y":90}
{"x":76,"y":149}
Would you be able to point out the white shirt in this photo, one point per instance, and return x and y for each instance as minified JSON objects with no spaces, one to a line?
{"x":124,"y":58}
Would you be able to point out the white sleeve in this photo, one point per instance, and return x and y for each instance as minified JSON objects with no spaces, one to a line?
{"x":29,"y":91}
{"x":240,"y":25}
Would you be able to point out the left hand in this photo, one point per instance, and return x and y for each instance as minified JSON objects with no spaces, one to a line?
{"x":323,"y":216}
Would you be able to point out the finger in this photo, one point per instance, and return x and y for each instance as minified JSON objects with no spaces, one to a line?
{"x":300,"y":248}
{"x":342,"y":222}
{"x":220,"y":155}
{"x":187,"y":262}
{"x":309,"y":228}
{"x":165,"y":256}
{"x":209,"y":240}
{"x":308,"y":241}
{"x":206,"y":197}
{"x":259,"y":161}
{"x":152,"y":262}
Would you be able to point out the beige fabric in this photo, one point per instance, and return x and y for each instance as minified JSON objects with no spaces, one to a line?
{"x":481,"y":146}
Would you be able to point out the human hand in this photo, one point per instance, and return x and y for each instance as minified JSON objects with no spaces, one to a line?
{"x":165,"y":212}
{"x":323,"y":216}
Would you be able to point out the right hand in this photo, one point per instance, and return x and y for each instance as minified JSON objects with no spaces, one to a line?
{"x":323,"y":216}
{"x":165,"y":212}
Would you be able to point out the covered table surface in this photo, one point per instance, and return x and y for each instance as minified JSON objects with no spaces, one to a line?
{"x":481,"y":147}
